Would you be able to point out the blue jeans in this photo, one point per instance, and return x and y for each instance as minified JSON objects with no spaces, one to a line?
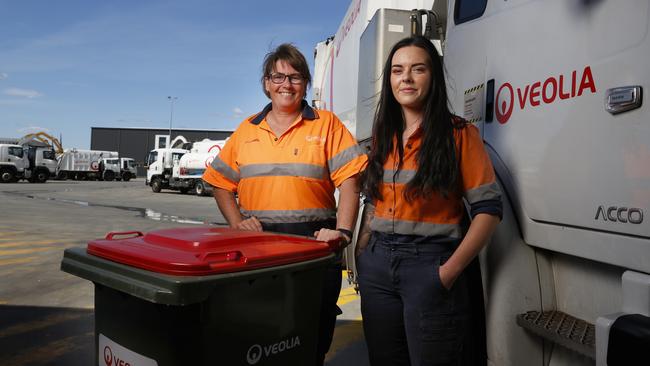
{"x":409,"y":317}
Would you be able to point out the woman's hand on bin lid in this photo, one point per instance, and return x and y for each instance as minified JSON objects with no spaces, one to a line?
{"x":336,"y":238}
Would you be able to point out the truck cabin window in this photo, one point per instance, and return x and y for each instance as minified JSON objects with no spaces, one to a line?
{"x":48,"y":154}
{"x":16,"y":151}
{"x":466,"y":10}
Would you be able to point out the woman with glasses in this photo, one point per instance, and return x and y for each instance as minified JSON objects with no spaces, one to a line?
{"x":414,"y":275}
{"x":284,"y":163}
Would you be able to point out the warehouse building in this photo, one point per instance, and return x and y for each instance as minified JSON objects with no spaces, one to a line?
{"x":137,"y":142}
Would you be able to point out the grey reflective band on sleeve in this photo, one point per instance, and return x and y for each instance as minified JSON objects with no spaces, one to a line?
{"x":291,"y":216}
{"x":402,"y":177}
{"x":490,"y":191}
{"x":223,"y":168}
{"x":343,"y":157}
{"x":415,"y":228}
{"x":291,"y":169}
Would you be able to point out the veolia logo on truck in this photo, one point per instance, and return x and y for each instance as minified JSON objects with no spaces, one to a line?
{"x":547,"y":92}
{"x":256,"y":352}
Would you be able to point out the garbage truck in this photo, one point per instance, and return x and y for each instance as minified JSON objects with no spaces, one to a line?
{"x":180,"y":165}
{"x":82,"y":164}
{"x":556,"y":88}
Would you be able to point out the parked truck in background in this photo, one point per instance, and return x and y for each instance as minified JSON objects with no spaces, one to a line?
{"x":566,"y":275}
{"x":82,"y":164}
{"x":117,"y":169}
{"x":30,"y":160}
{"x":181,"y":168}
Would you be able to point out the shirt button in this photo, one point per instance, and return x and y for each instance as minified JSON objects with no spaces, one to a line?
{"x":276,"y":139}
{"x":390,"y":210}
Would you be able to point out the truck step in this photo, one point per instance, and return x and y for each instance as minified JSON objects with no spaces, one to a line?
{"x":561,"y":328}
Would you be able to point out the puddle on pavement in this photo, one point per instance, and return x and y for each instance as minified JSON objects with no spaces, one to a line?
{"x":142,"y":212}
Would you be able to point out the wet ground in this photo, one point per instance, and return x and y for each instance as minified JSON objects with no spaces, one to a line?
{"x":46,"y":315}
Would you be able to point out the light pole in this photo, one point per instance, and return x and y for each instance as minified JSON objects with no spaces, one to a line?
{"x":171,"y":115}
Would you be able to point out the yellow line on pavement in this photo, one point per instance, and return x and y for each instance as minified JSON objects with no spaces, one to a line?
{"x":10,"y":233}
{"x":347,"y":295}
{"x":6,"y":262}
{"x":28,"y":243}
{"x":25,"y":251}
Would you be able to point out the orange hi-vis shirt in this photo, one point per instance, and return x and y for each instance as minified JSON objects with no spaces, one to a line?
{"x":437,"y":216}
{"x":289,"y":178}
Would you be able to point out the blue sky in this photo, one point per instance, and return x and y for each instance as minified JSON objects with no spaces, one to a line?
{"x":69,"y":65}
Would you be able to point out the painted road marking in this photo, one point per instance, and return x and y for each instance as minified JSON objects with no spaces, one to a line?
{"x":347,"y":295}
{"x":39,"y":324}
{"x":26,"y":251}
{"x":28,"y":243}
{"x":6,"y":262}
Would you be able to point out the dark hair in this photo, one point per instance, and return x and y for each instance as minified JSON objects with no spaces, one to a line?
{"x":291,"y":55}
{"x":437,"y":167}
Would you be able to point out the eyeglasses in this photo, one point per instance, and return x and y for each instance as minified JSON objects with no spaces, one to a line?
{"x":279,"y":78}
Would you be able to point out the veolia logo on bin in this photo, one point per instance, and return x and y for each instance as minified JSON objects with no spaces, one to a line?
{"x":256,"y":352}
{"x":114,"y":354}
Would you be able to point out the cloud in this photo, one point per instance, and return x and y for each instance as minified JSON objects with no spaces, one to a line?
{"x":24,"y":93}
{"x":3,"y":75}
{"x":237,"y":111}
{"x":33,"y":129}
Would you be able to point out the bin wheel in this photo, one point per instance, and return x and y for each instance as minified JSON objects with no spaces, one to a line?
{"x":156,"y":185}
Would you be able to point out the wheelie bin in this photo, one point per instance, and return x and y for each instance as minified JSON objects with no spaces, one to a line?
{"x":203,"y":296}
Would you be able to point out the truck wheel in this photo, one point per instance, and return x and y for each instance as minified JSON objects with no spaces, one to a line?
{"x":156,"y":185}
{"x":7,"y":176}
{"x":126,"y":176}
{"x":199,"y":188}
{"x":62,"y":176}
{"x":41,"y":176}
{"x":109,"y":175}
{"x":184,"y":190}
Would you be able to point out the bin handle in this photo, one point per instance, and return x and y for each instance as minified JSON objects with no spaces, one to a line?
{"x":218,"y":260}
{"x":112,"y":234}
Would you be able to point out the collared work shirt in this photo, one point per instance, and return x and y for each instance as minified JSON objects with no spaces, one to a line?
{"x":289,"y":178}
{"x":437,"y":216}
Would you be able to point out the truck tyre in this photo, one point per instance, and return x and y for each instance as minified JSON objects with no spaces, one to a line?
{"x":156,"y":185}
{"x":41,"y":176}
{"x":7,"y":176}
{"x":126,"y":176}
{"x":109,"y":175}
{"x":184,"y":190}
{"x":62,"y":176}
{"x":199,"y":188}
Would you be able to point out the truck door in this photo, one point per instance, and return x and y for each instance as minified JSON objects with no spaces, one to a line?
{"x":572,"y":161}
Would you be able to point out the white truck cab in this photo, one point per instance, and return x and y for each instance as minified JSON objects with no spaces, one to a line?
{"x":12,"y":164}
{"x":117,"y":169}
{"x":556,"y":88}
{"x":182,"y":169}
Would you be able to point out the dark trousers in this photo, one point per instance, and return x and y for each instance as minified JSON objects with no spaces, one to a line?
{"x":409,"y":318}
{"x":331,"y":284}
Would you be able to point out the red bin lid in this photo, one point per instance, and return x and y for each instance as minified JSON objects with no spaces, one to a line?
{"x":206,"y":250}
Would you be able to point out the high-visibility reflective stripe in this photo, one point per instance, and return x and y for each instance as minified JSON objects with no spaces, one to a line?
{"x":292,"y":169}
{"x":489,"y":191}
{"x":344,"y":157}
{"x":402,"y":177}
{"x":225,"y":170}
{"x":289,"y":216}
{"x":415,"y":228}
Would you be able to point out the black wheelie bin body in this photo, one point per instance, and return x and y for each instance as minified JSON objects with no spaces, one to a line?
{"x":203,"y":296}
